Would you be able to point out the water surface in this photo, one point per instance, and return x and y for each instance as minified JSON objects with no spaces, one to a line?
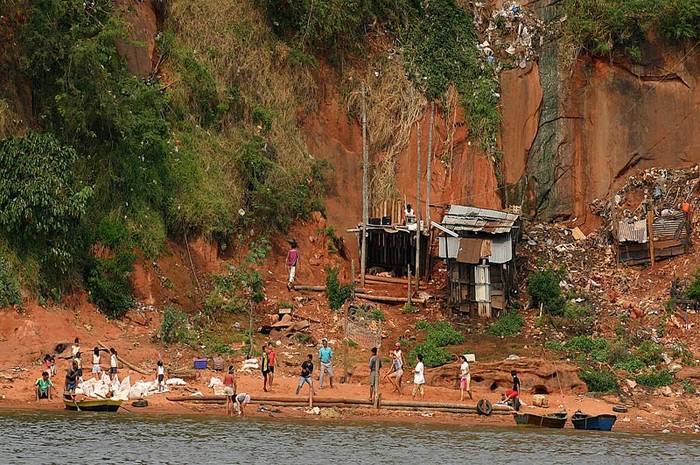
{"x":92,"y":438}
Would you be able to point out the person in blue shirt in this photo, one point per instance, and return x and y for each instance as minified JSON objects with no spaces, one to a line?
{"x":325,"y":356}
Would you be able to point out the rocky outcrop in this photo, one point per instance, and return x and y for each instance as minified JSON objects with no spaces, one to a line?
{"x":536,"y":375}
{"x":141,"y":20}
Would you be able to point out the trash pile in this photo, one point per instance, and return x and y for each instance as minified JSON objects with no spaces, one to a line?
{"x":666,"y":191}
{"x":123,"y":390}
{"x":510,"y":35}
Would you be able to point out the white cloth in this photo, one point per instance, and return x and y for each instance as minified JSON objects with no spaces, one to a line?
{"x":113,"y":361}
{"x":161,"y":370}
{"x":95,"y":359}
{"x":419,"y":374}
{"x":464,"y":369}
{"x":292,"y":273}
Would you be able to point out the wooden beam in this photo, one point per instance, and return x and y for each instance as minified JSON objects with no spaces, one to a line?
{"x":365,"y":192}
{"x":650,"y":234}
{"x":388,"y":299}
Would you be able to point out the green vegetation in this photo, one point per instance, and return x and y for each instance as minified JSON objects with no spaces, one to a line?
{"x":543,"y":287}
{"x":606,"y":26}
{"x":693,"y":291}
{"x":9,"y":286}
{"x":336,"y":293}
{"x":688,"y":386}
{"x":508,"y":324}
{"x":649,"y":352}
{"x":408,"y":307}
{"x":578,"y":319}
{"x":599,"y":380}
{"x":438,"y":335}
{"x":109,"y":285}
{"x":173,"y":328}
{"x":655,"y":378}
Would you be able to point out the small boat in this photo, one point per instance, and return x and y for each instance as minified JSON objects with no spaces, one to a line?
{"x":554,"y":420}
{"x":93,"y":405}
{"x":603,"y":422}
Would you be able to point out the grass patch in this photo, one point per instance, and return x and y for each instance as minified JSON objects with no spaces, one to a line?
{"x":599,"y":380}
{"x":174,"y":326}
{"x":508,"y":324}
{"x":655,"y":378}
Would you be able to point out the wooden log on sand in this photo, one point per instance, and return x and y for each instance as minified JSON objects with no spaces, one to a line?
{"x":276,"y":400}
{"x":310,"y":287}
{"x":387,"y":279}
{"x":125,"y":362}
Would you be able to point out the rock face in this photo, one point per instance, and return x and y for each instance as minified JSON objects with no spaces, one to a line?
{"x":537,"y":376}
{"x":141,"y":19}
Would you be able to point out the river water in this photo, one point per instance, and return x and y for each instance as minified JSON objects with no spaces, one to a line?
{"x":86,"y":438}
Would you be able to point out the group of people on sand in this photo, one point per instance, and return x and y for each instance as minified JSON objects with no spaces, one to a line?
{"x":74,"y":373}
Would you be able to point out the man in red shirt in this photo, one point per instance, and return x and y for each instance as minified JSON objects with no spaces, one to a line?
{"x":292,"y":261}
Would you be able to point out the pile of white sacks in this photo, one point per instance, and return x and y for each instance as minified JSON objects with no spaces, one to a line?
{"x":123,"y":390}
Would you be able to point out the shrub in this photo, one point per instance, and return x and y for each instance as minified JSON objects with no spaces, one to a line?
{"x":577,"y":319}
{"x":693,"y":291}
{"x":688,"y":386}
{"x":377,"y":315}
{"x":9,"y":286}
{"x":599,"y":380}
{"x":597,"y":349}
{"x":655,"y":378}
{"x":241,"y":286}
{"x":109,"y":285}
{"x":173,"y":328}
{"x":336,"y":293}
{"x":440,"y":333}
{"x":508,"y":324}
{"x":433,"y":355}
{"x":543,"y":287}
{"x":41,"y":201}
{"x":554,"y":345}
{"x":649,"y":352}
{"x":408,"y":307}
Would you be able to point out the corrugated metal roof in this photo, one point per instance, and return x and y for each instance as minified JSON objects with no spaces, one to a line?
{"x":635,"y":231}
{"x":669,"y":227}
{"x":463,"y":218}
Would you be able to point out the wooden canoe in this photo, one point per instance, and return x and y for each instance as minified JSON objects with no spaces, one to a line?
{"x":93,"y":405}
{"x":554,"y":420}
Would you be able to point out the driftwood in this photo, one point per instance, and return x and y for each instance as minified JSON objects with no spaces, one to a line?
{"x":126,"y":363}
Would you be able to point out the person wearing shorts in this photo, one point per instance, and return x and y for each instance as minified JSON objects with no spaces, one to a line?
{"x":307,"y":368}
{"x":325,"y":356}
{"x":96,"y":365}
{"x":230,"y":389}
{"x":396,"y":373}
{"x":272,"y":360}
{"x":113,"y":363}
{"x":265,"y":366}
{"x":43,"y":386}
{"x":242,"y":400}
{"x":419,"y":378}
{"x":464,"y":379}
{"x":160,"y":376}
{"x":71,"y":379}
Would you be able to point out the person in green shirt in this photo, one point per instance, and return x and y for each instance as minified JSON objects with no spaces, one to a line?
{"x":43,"y":387}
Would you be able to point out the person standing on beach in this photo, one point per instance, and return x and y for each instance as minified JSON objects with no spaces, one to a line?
{"x":464,"y":379}
{"x":292,"y":262}
{"x":230,"y":389}
{"x":75,"y":347}
{"x":113,"y":363}
{"x":307,"y":368}
{"x":96,"y":365}
{"x":265,"y":366}
{"x":325,"y":356}
{"x":77,"y":358}
{"x":374,"y":366}
{"x":419,"y":378}
{"x":160,"y":376}
{"x":396,"y":373}
{"x":71,"y":379}
{"x":272,"y":361}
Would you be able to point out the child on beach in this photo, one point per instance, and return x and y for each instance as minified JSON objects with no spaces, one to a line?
{"x":396,"y":372}
{"x":242,"y":400}
{"x":43,"y":386}
{"x":79,"y":362}
{"x":113,"y":360}
{"x":464,"y":379}
{"x":75,"y":347}
{"x":160,"y":376}
{"x":265,"y":366}
{"x":96,"y":367}
{"x":419,"y":378}
{"x":230,"y":389}
{"x":272,"y":356}
{"x":307,"y":369}
{"x":374,"y":366}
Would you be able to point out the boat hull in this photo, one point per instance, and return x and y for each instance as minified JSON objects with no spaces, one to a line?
{"x":100,"y":405}
{"x":594,"y":423}
{"x":540,"y":421}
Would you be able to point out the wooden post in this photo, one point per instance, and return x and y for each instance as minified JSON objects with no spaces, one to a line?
{"x":408,"y":279}
{"x":417,"y":210}
{"x":378,"y":366}
{"x":365,"y":182}
{"x":346,"y":342}
{"x":428,"y":171}
{"x":650,"y":234}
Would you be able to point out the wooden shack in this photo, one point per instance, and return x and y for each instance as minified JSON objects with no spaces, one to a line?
{"x":478,"y":246}
{"x":671,"y":236}
{"x":393,"y":248}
